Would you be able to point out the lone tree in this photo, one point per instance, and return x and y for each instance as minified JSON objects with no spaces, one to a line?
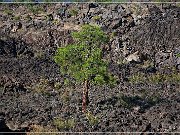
{"x":83,"y":60}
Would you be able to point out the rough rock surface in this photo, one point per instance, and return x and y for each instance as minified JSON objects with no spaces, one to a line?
{"x":31,"y":85}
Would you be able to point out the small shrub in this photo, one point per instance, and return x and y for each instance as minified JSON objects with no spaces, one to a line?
{"x":8,"y":12}
{"x":57,"y":85}
{"x":93,"y":120}
{"x":147,"y":64}
{"x":96,"y":18}
{"x":157,"y":78}
{"x":41,"y":86}
{"x":120,"y":62}
{"x":112,"y":35}
{"x":138,"y":78}
{"x":39,"y":54}
{"x":65,"y":96}
{"x":16,"y":18}
{"x":175,"y":77}
{"x":56,"y":22}
{"x":35,"y":9}
{"x":73,"y":12}
{"x":64,"y":124}
{"x":160,"y":78}
{"x":178,"y":55}
{"x":28,"y":17}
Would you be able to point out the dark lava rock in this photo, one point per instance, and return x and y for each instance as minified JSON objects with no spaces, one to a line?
{"x":25,"y":59}
{"x":116,"y":24}
{"x":93,"y":5}
{"x":3,"y":126}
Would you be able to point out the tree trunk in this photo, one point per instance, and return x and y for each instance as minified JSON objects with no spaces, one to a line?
{"x":85,"y":96}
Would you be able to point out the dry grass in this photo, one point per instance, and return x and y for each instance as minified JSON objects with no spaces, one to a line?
{"x":40,"y":130}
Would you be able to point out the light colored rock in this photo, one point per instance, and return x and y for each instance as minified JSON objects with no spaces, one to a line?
{"x":136,"y":108}
{"x":15,"y":28}
{"x":12,"y":126}
{"x":133,"y":57}
{"x":70,"y":26}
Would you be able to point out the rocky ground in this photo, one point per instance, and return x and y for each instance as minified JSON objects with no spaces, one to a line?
{"x":144,"y":54}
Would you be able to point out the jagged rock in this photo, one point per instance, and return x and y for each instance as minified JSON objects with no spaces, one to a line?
{"x":115,"y":24}
{"x":93,"y":5}
{"x":3,"y":126}
{"x":12,"y":126}
{"x":41,"y":39}
{"x":169,"y":59}
{"x":16,"y":26}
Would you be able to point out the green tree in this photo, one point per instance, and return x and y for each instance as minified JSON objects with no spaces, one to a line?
{"x":83,"y":60}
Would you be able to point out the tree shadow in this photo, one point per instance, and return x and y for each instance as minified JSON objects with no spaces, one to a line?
{"x":131,"y":101}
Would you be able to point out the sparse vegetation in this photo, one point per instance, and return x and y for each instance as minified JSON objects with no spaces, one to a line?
{"x":155,"y":78}
{"x":178,"y":55}
{"x":138,"y":78}
{"x":96,"y":18}
{"x":65,"y":96}
{"x":64,"y":124}
{"x":35,"y":9}
{"x":39,"y":54}
{"x":93,"y":120}
{"x":73,"y":12}
{"x":147,"y":64}
{"x":8,"y":12}
{"x":57,"y":85}
{"x":41,"y":87}
{"x":16,"y":18}
{"x":28,"y":17}
{"x":143,"y":53}
{"x":40,"y":130}
{"x":56,"y":22}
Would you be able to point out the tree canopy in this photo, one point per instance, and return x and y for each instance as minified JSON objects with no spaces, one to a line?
{"x":83,"y":59}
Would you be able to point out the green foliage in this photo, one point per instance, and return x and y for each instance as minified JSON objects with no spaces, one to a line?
{"x":17,"y":18}
{"x":96,"y":18}
{"x":66,"y":82}
{"x":83,"y":60}
{"x":64,"y":124}
{"x":155,"y":78}
{"x":57,"y":85}
{"x":8,"y":12}
{"x":28,"y":17}
{"x":93,"y":120}
{"x":56,"y":21}
{"x":73,"y":12}
{"x":90,"y":35}
{"x":35,"y":9}
{"x":178,"y":55}
{"x":41,"y":86}
{"x":65,"y":96}
{"x":138,"y":78}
